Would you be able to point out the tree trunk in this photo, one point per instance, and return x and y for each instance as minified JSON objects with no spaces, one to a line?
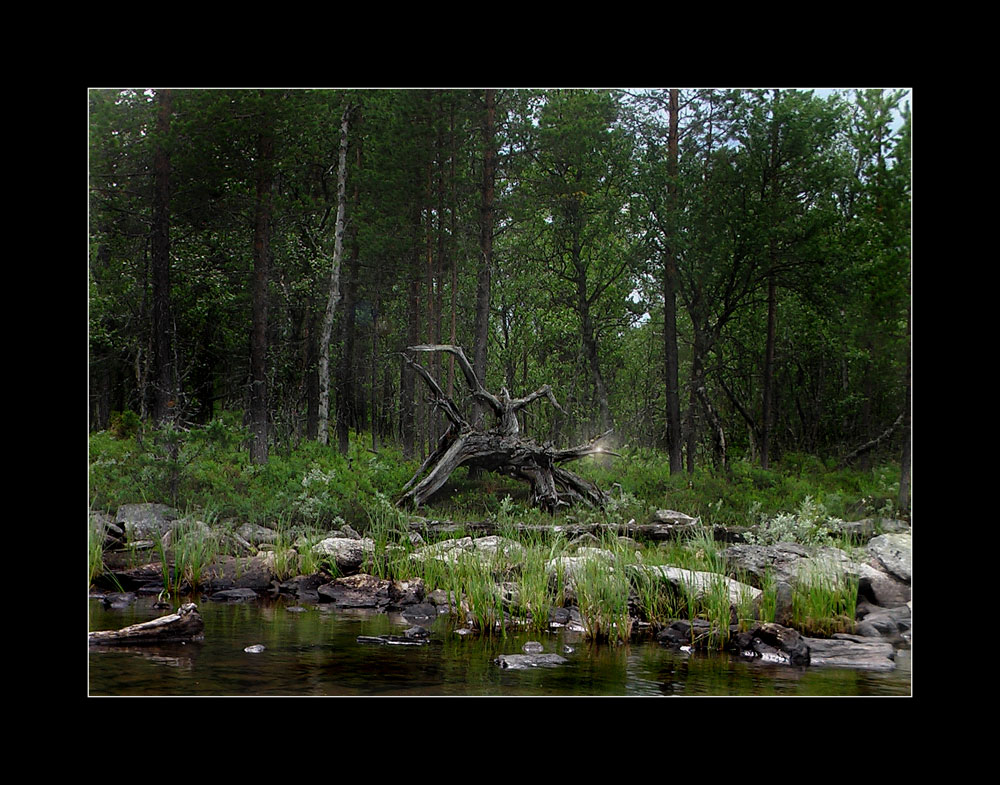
{"x":768,"y":383}
{"x":261,"y":274}
{"x":334,"y":297}
{"x":347,"y":395}
{"x":481,"y":336}
{"x":671,"y":358}
{"x":164,"y":394}
{"x":904,"y":473}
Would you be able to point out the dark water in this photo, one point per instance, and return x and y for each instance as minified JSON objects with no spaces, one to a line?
{"x":316,"y":652}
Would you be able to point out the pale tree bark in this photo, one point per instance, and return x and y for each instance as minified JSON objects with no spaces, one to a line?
{"x":323,"y":433}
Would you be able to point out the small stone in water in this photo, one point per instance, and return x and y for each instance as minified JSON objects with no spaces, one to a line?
{"x":532,"y":647}
{"x":255,"y":649}
{"x":567,"y":649}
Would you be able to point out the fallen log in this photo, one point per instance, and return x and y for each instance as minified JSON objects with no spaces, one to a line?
{"x":185,"y":625}
{"x":501,"y":449}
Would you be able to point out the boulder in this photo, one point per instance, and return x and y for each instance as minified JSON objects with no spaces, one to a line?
{"x":347,"y":554}
{"x":234,"y":595}
{"x":357,"y":591}
{"x":851,"y":651}
{"x":773,"y":643}
{"x":894,"y":553}
{"x":255,"y":534}
{"x":231,"y":572}
{"x":408,"y":593}
{"x":145,"y":521}
{"x":686,"y":633}
{"x":701,"y":583}
{"x":781,"y":560}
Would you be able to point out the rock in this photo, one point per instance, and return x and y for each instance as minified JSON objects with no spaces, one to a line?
{"x":348,"y":554}
{"x":409,"y":592}
{"x":862,"y":531}
{"x":527,"y":661}
{"x":303,"y":587}
{"x":892,"y":625}
{"x":895,"y":554}
{"x":532,"y":647}
{"x":672,"y":518}
{"x":349,"y":533}
{"x":234,"y":595}
{"x":781,"y":560}
{"x":103,"y":525}
{"x":701,"y":583}
{"x":851,"y":651}
{"x":885,"y":589}
{"x":145,"y":521}
{"x":783,"y":597}
{"x":392,"y":640}
{"x":231,"y":572}
{"x":119,"y":600}
{"x":446,"y":550}
{"x":255,"y":534}
{"x":420,"y":611}
{"x":685,"y":633}
{"x":257,"y":648}
{"x":774,"y":643}
{"x":357,"y":591}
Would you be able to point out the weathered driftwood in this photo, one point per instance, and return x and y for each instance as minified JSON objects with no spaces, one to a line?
{"x":501,"y":449}
{"x":185,"y":625}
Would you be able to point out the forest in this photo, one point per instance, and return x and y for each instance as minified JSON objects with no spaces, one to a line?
{"x":720,"y":277}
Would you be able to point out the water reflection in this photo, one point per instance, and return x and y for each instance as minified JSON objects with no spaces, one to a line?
{"x":315,"y":652}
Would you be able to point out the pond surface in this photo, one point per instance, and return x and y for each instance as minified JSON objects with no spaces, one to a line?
{"x":315,"y":652}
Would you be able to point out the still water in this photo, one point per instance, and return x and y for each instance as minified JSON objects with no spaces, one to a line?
{"x":315,"y":652}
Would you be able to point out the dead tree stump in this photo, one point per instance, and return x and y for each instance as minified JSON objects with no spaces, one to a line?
{"x":501,"y":449}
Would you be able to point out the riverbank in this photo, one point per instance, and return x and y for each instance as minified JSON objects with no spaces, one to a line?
{"x":669,"y":578}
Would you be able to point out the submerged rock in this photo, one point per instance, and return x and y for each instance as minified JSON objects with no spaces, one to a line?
{"x":234,"y":595}
{"x":393,"y":640}
{"x":526,"y":661}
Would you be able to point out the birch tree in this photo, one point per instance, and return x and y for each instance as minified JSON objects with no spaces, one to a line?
{"x":333,"y":300}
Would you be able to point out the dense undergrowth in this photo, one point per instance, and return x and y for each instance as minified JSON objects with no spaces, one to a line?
{"x":208,"y":469}
{"x":303,"y":492}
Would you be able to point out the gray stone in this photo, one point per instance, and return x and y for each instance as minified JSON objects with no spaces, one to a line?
{"x":851,"y":651}
{"x":348,"y":555}
{"x":895,"y":553}
{"x":357,"y":591}
{"x":528,"y":661}
{"x":774,"y":643}
{"x":254,"y":534}
{"x":145,"y":521}
{"x":234,"y":595}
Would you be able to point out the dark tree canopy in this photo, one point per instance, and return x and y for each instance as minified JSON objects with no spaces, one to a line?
{"x":723,"y":274}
